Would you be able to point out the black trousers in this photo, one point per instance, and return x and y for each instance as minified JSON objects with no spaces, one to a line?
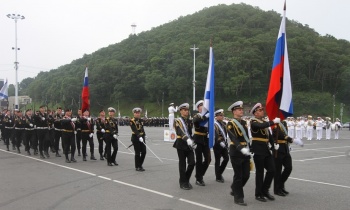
{"x":30,"y":139}
{"x":241,"y":169}
{"x":69,"y":142}
{"x":262,"y":185}
{"x":100,"y":142}
{"x":140,"y":151}
{"x":281,"y":177}
{"x":43,"y":137}
{"x":58,"y":135}
{"x":111,"y":142}
{"x":184,"y":169}
{"x":78,"y":139}
{"x":20,"y":136}
{"x":7,"y":135}
{"x":86,"y":138}
{"x":220,"y":166}
{"x":202,"y":164}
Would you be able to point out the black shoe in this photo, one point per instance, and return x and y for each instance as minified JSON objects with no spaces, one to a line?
{"x":36,"y":152}
{"x":280,"y":193}
{"x":185,"y":186}
{"x":47,"y":154}
{"x":232,"y":193}
{"x":189,"y":184}
{"x":67,"y":160}
{"x":73,"y":160}
{"x":110,"y":164}
{"x":220,"y":179}
{"x":101,"y":157}
{"x":268,"y":196}
{"x":8,"y":149}
{"x":13,"y":148}
{"x":42,"y":156}
{"x":92,"y":157}
{"x":84,"y":158}
{"x":58,"y":154}
{"x":240,"y":202}
{"x":18,"y":150}
{"x":284,"y":191}
{"x":79,"y":153}
{"x":200,"y":183}
{"x":260,"y":198}
{"x":115,"y":163}
{"x":53,"y":150}
{"x":28,"y":153}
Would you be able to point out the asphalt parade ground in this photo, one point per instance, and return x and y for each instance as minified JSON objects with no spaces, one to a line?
{"x":320,"y":180}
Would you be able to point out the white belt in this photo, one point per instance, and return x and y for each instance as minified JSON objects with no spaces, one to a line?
{"x":29,"y":129}
{"x":58,"y":129}
{"x":8,"y":127}
{"x":19,"y":128}
{"x":41,"y":128}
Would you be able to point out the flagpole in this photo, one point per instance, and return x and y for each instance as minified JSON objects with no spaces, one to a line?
{"x":194,"y":48}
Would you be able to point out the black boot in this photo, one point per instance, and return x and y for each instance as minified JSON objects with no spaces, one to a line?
{"x":18,"y":150}
{"x":72,"y":159}
{"x":28,"y":152}
{"x":79,"y":152}
{"x":58,"y":154}
{"x":92,"y":157}
{"x":35,"y":151}
{"x":101,"y":157}
{"x":84,"y":158}
{"x":42,"y":155}
{"x":8,"y":148}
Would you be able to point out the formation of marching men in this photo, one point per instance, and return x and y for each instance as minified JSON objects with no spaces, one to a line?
{"x":41,"y":132}
{"x":240,"y":140}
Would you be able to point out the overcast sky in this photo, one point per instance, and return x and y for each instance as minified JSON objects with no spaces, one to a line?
{"x":56,"y":32}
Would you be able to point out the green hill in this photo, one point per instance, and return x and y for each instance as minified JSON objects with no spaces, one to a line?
{"x":157,"y":65}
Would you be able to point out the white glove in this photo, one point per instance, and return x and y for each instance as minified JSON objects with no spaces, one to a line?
{"x":75,"y":132}
{"x":189,"y":142}
{"x":222,"y":144}
{"x":74,"y":119}
{"x":194,"y":146}
{"x":115,"y":136}
{"x":10,"y":120}
{"x":89,"y":118}
{"x":43,"y":118}
{"x":298,"y":142}
{"x":276,"y":120}
{"x":269,"y":145}
{"x":91,"y":135}
{"x":276,"y":146}
{"x":31,"y":125}
{"x":207,"y":115}
{"x":103,"y":130}
{"x":140,"y":139}
{"x":245,"y":151}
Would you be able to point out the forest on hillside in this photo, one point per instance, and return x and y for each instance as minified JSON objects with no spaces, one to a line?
{"x":157,"y":65}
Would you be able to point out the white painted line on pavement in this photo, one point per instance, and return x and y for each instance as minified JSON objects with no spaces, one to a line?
{"x":103,"y":177}
{"x":323,"y":183}
{"x":320,"y":158}
{"x":120,"y":182}
{"x":304,"y":150}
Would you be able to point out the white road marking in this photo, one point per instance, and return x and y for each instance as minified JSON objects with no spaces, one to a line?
{"x":320,"y":158}
{"x":323,"y":183}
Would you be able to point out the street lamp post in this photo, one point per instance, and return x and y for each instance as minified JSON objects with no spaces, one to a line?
{"x":16,"y":17}
{"x":163,"y":105}
{"x":333,"y":106}
{"x":194,"y":48}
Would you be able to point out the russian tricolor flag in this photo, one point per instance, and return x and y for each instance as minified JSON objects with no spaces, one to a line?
{"x":209,"y":99}
{"x":279,"y":97}
{"x":85,"y":93}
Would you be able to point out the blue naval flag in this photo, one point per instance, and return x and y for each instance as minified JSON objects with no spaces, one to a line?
{"x":209,"y":99}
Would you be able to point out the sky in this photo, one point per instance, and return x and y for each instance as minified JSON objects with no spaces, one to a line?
{"x":56,"y":32}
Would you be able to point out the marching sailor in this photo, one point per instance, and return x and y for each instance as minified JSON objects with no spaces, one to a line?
{"x":138,"y":139}
{"x":184,"y":145}
{"x":237,"y":130}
